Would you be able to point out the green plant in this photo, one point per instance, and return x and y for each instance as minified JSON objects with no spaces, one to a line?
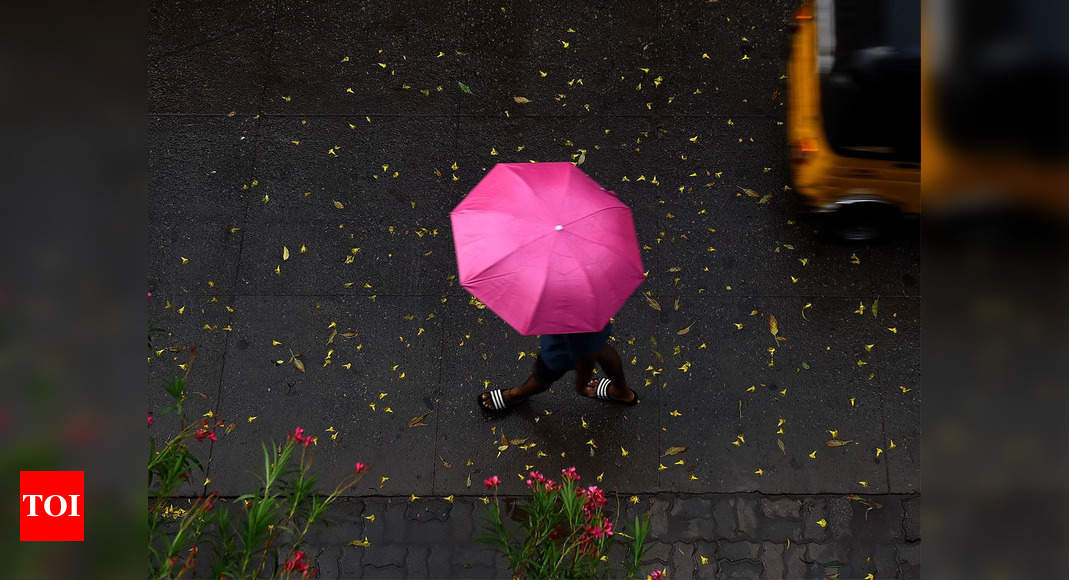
{"x":564,"y":531}
{"x":261,"y":533}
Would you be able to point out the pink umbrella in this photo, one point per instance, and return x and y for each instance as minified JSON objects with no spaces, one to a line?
{"x":546,"y":248}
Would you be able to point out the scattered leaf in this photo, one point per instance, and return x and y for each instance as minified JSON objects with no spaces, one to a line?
{"x":654,"y":304}
{"x":521,"y":99}
{"x":464,"y":87}
{"x":674,"y":451}
{"x":773,"y":325}
{"x":418,"y":421}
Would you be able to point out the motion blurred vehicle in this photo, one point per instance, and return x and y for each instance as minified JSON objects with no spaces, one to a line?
{"x":995,"y":111}
{"x":853,"y":120}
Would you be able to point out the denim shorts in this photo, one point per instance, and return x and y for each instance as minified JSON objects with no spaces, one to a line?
{"x":546,"y":375}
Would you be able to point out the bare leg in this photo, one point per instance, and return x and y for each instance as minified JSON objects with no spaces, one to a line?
{"x":532,"y":386}
{"x":609,"y":360}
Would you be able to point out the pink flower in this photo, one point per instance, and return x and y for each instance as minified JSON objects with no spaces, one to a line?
{"x":150,"y":296}
{"x":492,"y":481}
{"x":570,"y":474}
{"x":150,"y":418}
{"x":360,"y":467}
{"x":656,"y":575}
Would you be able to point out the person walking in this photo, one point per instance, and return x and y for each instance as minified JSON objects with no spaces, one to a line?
{"x":561,"y":353}
{"x":553,"y":254}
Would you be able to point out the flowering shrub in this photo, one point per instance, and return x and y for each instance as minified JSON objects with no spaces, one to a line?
{"x":565,"y":533}
{"x":262,"y":536}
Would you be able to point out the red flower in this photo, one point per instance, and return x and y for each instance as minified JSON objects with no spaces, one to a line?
{"x":300,"y":437}
{"x":297,"y":562}
{"x":492,"y":481}
{"x":656,"y":575}
{"x":360,"y":467}
{"x":150,"y":418}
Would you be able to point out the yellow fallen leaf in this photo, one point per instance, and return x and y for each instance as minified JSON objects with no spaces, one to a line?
{"x":683,"y":331}
{"x":822,"y":523}
{"x":339,"y":204}
{"x":759,"y":471}
{"x":807,"y":305}
{"x":813,"y":455}
{"x":675,"y":413}
{"x":521,"y":99}
{"x":675,"y":450}
{"x":624,"y":452}
{"x":361,"y":543}
{"x":863,"y":483}
{"x":370,"y":518}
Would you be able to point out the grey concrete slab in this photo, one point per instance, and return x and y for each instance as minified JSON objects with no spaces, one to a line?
{"x":200,"y":168}
{"x":177,"y":27}
{"x":306,"y":164}
{"x":192,"y":257}
{"x":817,"y":399}
{"x":283,"y":398}
{"x":383,"y":262}
{"x":217,"y":76}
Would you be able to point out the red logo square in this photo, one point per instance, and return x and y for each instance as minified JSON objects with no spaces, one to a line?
{"x":51,"y":506}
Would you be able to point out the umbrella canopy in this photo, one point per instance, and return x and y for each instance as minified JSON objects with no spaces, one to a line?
{"x":546,"y":248}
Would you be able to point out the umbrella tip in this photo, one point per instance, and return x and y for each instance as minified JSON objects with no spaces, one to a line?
{"x":559,"y":227}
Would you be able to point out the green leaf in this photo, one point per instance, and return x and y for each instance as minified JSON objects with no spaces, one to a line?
{"x":805,"y":365}
{"x":464,"y":87}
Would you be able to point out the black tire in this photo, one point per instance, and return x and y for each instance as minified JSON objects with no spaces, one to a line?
{"x":859,"y":223}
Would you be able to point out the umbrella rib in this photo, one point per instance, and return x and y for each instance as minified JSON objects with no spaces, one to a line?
{"x":545,"y":280}
{"x":530,"y":189}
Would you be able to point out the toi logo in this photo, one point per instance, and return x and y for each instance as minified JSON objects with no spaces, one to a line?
{"x":51,"y":506}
